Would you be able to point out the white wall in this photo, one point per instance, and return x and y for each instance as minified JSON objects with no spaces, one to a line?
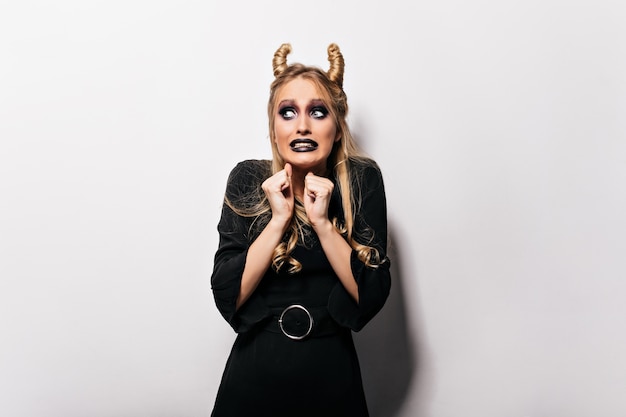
{"x":500,"y":129}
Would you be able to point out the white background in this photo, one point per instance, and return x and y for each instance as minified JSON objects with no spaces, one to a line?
{"x":499,"y":126}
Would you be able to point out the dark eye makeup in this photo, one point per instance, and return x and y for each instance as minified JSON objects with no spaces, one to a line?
{"x":319,"y":112}
{"x":287,"y":112}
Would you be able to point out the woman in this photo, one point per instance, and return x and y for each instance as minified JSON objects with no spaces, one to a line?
{"x":302,"y":255}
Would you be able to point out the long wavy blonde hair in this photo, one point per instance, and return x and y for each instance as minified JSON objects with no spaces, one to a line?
{"x":344,"y":153}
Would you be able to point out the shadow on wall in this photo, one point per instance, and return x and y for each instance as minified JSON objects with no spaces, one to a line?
{"x":387,"y":354}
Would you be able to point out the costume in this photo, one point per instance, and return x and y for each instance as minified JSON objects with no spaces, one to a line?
{"x":268,"y":373}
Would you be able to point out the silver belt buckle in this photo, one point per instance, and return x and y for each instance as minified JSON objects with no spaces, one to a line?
{"x":292,"y":336}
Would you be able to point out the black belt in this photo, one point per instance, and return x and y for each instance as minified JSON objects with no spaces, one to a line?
{"x":298,"y":322}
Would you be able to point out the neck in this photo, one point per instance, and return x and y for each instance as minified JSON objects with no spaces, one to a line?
{"x":297,"y":183}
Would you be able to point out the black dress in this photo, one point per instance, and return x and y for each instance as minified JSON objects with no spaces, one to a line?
{"x":267,"y":372}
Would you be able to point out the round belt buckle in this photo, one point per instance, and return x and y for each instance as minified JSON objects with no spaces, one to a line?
{"x":292,"y":336}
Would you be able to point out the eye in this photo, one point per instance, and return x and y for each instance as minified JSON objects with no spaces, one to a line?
{"x":287,"y":113}
{"x":319,"y":112}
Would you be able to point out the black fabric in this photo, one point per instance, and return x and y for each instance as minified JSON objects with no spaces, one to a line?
{"x":268,"y":374}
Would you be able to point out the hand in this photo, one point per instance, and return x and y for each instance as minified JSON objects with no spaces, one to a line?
{"x":280,"y":195}
{"x":317,"y":193}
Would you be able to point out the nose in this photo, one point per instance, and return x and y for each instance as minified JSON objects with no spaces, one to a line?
{"x":304,"y":127}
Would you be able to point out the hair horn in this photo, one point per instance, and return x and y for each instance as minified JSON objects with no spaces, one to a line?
{"x":280,"y":59}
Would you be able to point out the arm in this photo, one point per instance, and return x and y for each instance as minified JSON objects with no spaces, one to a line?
{"x":239,"y":263}
{"x":338,"y":252}
{"x":235,"y":243}
{"x":373,"y":283}
{"x":258,"y":260}
{"x":278,"y":190}
{"x":317,"y":194}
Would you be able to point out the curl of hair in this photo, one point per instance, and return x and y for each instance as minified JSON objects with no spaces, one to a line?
{"x":282,"y":252}
{"x":279,"y":62}
{"x":337,"y":64}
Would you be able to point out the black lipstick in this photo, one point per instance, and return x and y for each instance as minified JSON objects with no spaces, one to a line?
{"x":303,"y":145}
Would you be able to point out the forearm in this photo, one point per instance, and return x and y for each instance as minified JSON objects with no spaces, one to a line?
{"x":338,"y":253}
{"x":258,"y":260}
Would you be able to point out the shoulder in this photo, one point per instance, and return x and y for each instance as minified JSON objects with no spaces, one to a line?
{"x":247,"y":175}
{"x":366,"y":171}
{"x":250,"y":171}
{"x":251,"y":168}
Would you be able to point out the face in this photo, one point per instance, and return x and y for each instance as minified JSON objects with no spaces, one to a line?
{"x":304,"y":129}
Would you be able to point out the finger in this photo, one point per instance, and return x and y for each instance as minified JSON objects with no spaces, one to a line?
{"x":288,"y":172}
{"x":286,"y":183}
{"x":312,"y":192}
{"x":308,"y":185}
{"x":318,"y":185}
{"x":309,"y":180}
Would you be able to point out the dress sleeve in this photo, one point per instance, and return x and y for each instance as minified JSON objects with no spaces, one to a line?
{"x":230,"y":257}
{"x":374,"y":284}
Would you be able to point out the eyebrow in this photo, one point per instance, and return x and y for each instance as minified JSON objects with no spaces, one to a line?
{"x":292,"y":102}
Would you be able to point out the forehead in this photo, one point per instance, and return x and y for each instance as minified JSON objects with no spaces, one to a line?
{"x":300,"y":89}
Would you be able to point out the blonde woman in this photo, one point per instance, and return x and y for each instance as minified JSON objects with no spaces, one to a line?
{"x":301,"y":261}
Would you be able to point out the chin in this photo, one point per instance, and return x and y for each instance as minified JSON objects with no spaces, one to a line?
{"x":314,"y":166}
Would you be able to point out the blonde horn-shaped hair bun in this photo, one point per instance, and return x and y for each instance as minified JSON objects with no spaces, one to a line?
{"x":280,"y":59}
{"x":335,"y":72}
